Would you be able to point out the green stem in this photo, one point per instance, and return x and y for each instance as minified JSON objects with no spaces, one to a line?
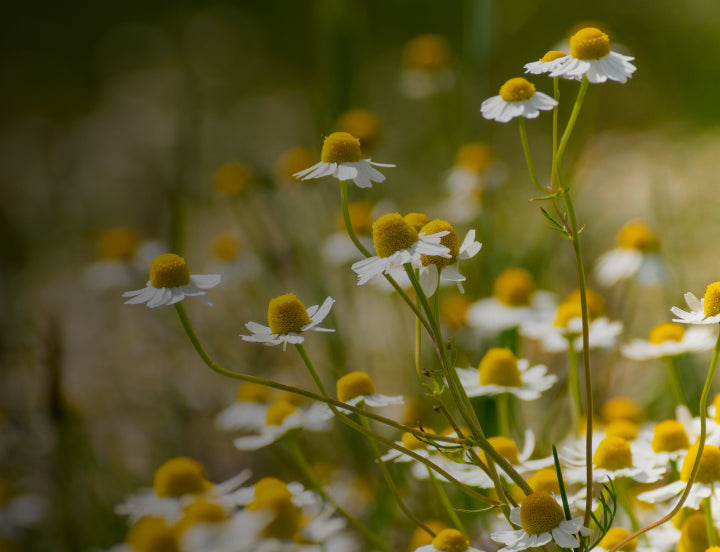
{"x":675,"y":381}
{"x":568,"y":129}
{"x":304,"y":467}
{"x":712,"y":537}
{"x":528,"y":157}
{"x":574,"y":384}
{"x":445,"y":501}
{"x":346,"y":218}
{"x":311,"y":369}
{"x":556,"y":95}
{"x":623,"y":488}
{"x":502,"y":405}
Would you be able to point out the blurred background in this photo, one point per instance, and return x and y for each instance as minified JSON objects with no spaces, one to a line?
{"x":129,"y":129}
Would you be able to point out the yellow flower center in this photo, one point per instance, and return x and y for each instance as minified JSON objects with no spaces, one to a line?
{"x":448,"y":240}
{"x":620,"y":408}
{"x":421,"y":538}
{"x":277,"y":501}
{"x":277,"y":412}
{"x":589,"y":43}
{"x":499,"y":366}
{"x":514,"y":287}
{"x":694,"y":535}
{"x":294,"y":160}
{"x":450,"y":540}
{"x":200,"y":511}
{"x":180,"y":476}
{"x":252,"y":392}
{"x":613,"y":453}
{"x":517,"y":90}
{"x":391,"y":233}
{"x":637,"y":235}
{"x":118,"y":244}
{"x":669,"y":436}
{"x":267,"y":484}
{"x":622,"y":428}
{"x":152,"y":534}
{"x":354,"y":384}
{"x":709,"y":469}
{"x":340,"y":147}
{"x":506,"y":448}
{"x":168,"y":271}
{"x":417,"y":220}
{"x":226,"y":246}
{"x":232,"y":178}
{"x":360,"y":217}
{"x":667,"y":331}
{"x":363,"y":124}
{"x":711,"y":302}
{"x":453,"y":310}
{"x":716,"y":404}
{"x":544,"y":480}
{"x":287,"y":314}
{"x":411,"y":442}
{"x":567,"y":311}
{"x":614,"y":536}
{"x":475,"y":156}
{"x":539,"y":513}
{"x":595,"y":302}
{"x":428,"y":52}
{"x":552,"y":55}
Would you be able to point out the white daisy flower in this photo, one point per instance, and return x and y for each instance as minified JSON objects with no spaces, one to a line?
{"x":176,"y":483}
{"x":341,"y":157}
{"x":249,"y":409}
{"x":636,"y":256}
{"x":283,"y":417}
{"x":670,"y":339}
{"x":397,"y":243}
{"x":500,"y":371}
{"x":357,"y":388}
{"x":170,"y":282}
{"x":590,"y":56}
{"x":206,"y":527}
{"x":448,"y":540}
{"x":288,"y":318}
{"x":542,"y":520}
{"x":437,"y":268}
{"x":551,"y":61}
{"x":427,"y":68}
{"x":668,"y":440}
{"x":702,"y":311}
{"x":517,"y":98}
{"x":299,"y":495}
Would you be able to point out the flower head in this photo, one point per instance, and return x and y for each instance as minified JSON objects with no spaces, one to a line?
{"x":363,"y":124}
{"x":517,"y":98}
{"x":170,"y":282}
{"x":670,"y":339}
{"x":636,"y":255}
{"x":448,"y":540}
{"x":232,"y":178}
{"x":357,"y":387}
{"x":702,"y":311}
{"x":546,"y":64}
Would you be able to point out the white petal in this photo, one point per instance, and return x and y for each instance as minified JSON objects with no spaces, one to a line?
{"x":206,"y":281}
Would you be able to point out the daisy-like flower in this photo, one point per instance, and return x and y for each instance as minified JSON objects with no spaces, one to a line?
{"x":448,"y":540}
{"x":615,"y":535}
{"x":546,"y":64}
{"x":517,"y":98}
{"x":500,"y":371}
{"x":426,"y":66}
{"x":635,"y":256}
{"x":590,"y":56}
{"x":669,"y":440}
{"x":437,"y":268}
{"x":357,"y":387}
{"x":397,"y":243}
{"x":702,"y":311}
{"x":282,"y":417}
{"x":542,"y":520}
{"x":363,"y":124}
{"x":410,"y":442}
{"x":341,"y":157}
{"x":170,"y":282}
{"x":668,"y":340}
{"x":287,"y":319}
{"x":231,"y":260}
{"x":249,"y":409}
{"x":300,"y":496}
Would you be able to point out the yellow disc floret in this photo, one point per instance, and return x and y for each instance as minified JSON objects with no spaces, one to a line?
{"x":514,"y":287}
{"x":517,"y":90}
{"x":168,"y":271}
{"x":428,"y":52}
{"x":669,"y":436}
{"x":277,"y":412}
{"x":287,"y":314}
{"x":506,"y":448}
{"x":200,"y":511}
{"x":621,"y":408}
{"x":589,"y":43}
{"x":277,"y":502}
{"x":613,"y":453}
{"x":667,"y":331}
{"x":475,"y":156}
{"x":180,"y":476}
{"x":567,"y":311}
{"x":622,"y":428}
{"x":354,"y":384}
{"x":363,"y":124}
{"x":252,"y":392}
{"x":449,"y":240}
{"x":711,"y":301}
{"x":226,"y":246}
{"x":232,"y":178}
{"x":118,"y":244}
{"x":417,"y":220}
{"x":450,"y":540}
{"x":709,"y":469}
{"x":552,"y":55}
{"x":391,"y":233}
{"x":637,"y":235}
{"x":341,"y":147}
{"x":614,"y":536}
{"x":595,"y":302}
{"x":420,"y":537}
{"x":499,"y":366}
{"x":544,"y":480}
{"x":152,"y":534}
{"x":694,"y":534}
{"x":539,"y":513}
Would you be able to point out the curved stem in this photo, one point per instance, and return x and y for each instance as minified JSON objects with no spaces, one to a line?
{"x":311,"y":369}
{"x":568,"y":129}
{"x":348,"y":222}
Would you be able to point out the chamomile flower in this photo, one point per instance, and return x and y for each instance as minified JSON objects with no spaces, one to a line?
{"x":500,"y":371}
{"x":668,"y":340}
{"x":299,"y":495}
{"x":363,"y":124}
{"x":590,"y":56}
{"x":287,"y":319}
{"x":635,"y":256}
{"x":233,"y":179}
{"x":341,"y":157}
{"x":669,"y":440}
{"x":410,"y":442}
{"x":207,"y":527}
{"x":397,"y":243}
{"x":702,"y":311}
{"x":426,"y":66}
{"x":615,"y":535}
{"x":437,"y":268}
{"x":517,"y":98}
{"x":249,"y":409}
{"x":448,"y":540}
{"x":552,"y":60}
{"x":357,"y":388}
{"x":170,"y":282}
{"x":542,"y":520}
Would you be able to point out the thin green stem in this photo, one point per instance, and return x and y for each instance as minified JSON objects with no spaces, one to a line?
{"x":528,"y":157}
{"x":311,"y":369}
{"x":574,"y":384}
{"x":445,"y":501}
{"x":502,"y":406}
{"x":568,"y":129}
{"x":556,"y":95}
{"x":674,"y":380}
{"x":711,"y":532}
{"x":348,"y":222}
